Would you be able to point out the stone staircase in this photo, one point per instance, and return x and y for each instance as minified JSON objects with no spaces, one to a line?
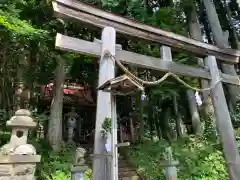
{"x":125,"y":170}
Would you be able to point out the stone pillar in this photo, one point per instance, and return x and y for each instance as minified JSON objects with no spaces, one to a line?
{"x":17,"y":158}
{"x":79,"y":166}
{"x":169,"y":165}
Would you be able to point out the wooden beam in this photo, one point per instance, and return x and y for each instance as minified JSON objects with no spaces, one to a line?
{"x":94,"y":49}
{"x":80,"y":12}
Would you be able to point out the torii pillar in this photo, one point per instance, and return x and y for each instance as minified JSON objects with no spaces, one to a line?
{"x":106,"y":108}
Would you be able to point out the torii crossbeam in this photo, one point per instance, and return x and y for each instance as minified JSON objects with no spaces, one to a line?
{"x":82,"y":13}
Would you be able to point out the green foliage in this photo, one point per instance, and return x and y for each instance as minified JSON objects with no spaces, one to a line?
{"x":40,"y":118}
{"x":4,"y":134}
{"x":5,"y":137}
{"x":3,"y":116}
{"x":110,"y":3}
{"x":106,"y":126}
{"x":169,"y":21}
{"x":235,"y":116}
{"x":20,"y":27}
{"x":55,"y":165}
{"x":199,"y":159}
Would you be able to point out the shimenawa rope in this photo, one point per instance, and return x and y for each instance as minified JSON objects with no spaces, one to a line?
{"x":162,"y":78}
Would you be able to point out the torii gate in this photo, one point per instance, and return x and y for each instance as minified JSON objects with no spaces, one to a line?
{"x":106,"y":107}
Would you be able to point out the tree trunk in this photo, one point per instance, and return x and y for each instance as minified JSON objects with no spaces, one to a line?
{"x":121,"y":132}
{"x":151,"y":119}
{"x":189,"y":11}
{"x":235,"y":39}
{"x":168,"y":132}
{"x":196,"y":122}
{"x":2,"y":80}
{"x":164,"y":122}
{"x":226,"y":19}
{"x":195,"y":33}
{"x":141,"y":107}
{"x":178,"y":119}
{"x":207,"y":106}
{"x":55,"y":122}
{"x":132,"y":130}
{"x":221,"y":39}
{"x":157,"y":124}
{"x":20,"y":84}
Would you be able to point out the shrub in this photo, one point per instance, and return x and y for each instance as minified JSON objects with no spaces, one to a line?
{"x":55,"y":165}
{"x":198,"y":158}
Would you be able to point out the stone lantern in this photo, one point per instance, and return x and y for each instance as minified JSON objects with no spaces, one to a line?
{"x":17,"y":158}
{"x":72,"y":118}
{"x":20,"y":124}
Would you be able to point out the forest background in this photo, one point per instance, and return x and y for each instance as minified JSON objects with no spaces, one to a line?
{"x":168,"y":116}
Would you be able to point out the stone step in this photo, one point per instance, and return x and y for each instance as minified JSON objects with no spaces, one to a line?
{"x":125,"y":169}
{"x":129,"y":178}
{"x":127,"y":174}
{"x":122,"y":161}
{"x":124,"y":165}
{"x":120,"y":157}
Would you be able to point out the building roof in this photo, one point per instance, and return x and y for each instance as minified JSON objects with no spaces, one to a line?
{"x":73,"y":94}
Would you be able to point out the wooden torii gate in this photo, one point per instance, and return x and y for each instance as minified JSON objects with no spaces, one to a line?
{"x":80,"y":12}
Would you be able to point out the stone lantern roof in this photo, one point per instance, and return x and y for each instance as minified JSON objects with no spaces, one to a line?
{"x":22,"y":119}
